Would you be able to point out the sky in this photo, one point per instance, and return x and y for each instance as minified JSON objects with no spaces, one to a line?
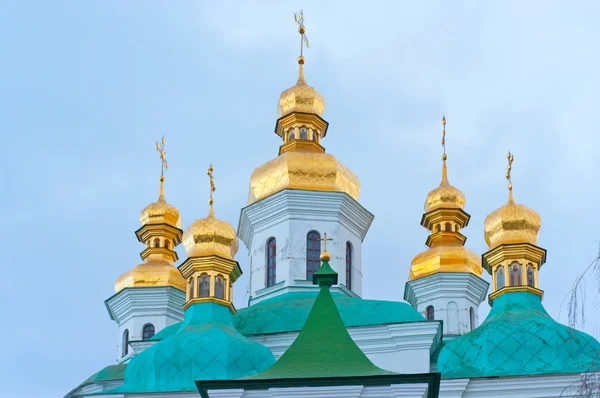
{"x":86,"y":88}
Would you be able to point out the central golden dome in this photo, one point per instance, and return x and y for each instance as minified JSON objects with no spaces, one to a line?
{"x":151,"y":274}
{"x":512,"y":223}
{"x":446,"y":258}
{"x":210,"y":236}
{"x":301,"y":97}
{"x":445,"y":196}
{"x":302,"y":170}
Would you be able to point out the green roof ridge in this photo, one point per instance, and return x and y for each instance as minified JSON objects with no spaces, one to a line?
{"x":323,"y":348}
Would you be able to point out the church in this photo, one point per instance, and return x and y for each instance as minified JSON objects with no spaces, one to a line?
{"x":307,"y":331}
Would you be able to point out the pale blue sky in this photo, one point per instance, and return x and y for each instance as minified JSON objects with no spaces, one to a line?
{"x":86,"y":89}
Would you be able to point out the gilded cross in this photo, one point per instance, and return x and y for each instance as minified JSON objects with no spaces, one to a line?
{"x":299,"y":18}
{"x":510,"y":158}
{"x":325,"y":239}
{"x":213,"y":188}
{"x":160,"y":148}
{"x":444,"y":157}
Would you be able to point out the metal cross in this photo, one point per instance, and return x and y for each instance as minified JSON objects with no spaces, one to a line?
{"x":325,"y":239}
{"x":510,"y":158}
{"x":213,"y":188}
{"x":444,"y":157}
{"x":299,"y":18}
{"x":160,"y":148}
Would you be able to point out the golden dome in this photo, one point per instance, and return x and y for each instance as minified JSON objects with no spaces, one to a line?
{"x":447,"y":258}
{"x":512,"y":223}
{"x":445,"y":196}
{"x":151,"y":274}
{"x":302,"y":170}
{"x":208,"y":236}
{"x":160,"y":212}
{"x":301,"y":97}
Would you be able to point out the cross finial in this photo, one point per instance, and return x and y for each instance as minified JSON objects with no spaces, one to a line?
{"x":164,"y":165}
{"x":325,"y":239}
{"x":444,"y":157}
{"x":510,"y":158}
{"x":213,"y":188}
{"x":299,"y":18}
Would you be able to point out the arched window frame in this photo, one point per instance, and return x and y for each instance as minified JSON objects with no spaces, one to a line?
{"x":220,"y":287}
{"x":304,"y":133}
{"x":157,"y":242}
{"x":349,"y":264}
{"x":204,"y":285}
{"x":530,"y":275}
{"x":515,"y":276}
{"x":448,"y":227}
{"x":271,"y":260}
{"x":191,"y":287}
{"x":291,"y":134}
{"x":125,"y":343}
{"x":500,"y":278}
{"x":313,"y":253}
{"x":430,"y":313}
{"x":148,"y":331}
{"x":167,"y":244}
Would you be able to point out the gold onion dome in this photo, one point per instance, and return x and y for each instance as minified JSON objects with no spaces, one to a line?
{"x":445,"y":196}
{"x":160,"y":212}
{"x":511,"y":223}
{"x":210,"y":236}
{"x":151,"y":274}
{"x":301,"y":97}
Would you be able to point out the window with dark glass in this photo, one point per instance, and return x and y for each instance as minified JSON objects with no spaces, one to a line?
{"x":438,"y":228}
{"x":191,"y":284}
{"x":530,"y":277}
{"x":291,"y":135}
{"x":314,"y":135}
{"x":430,"y":313}
{"x":156,"y":242}
{"x":167,"y":244}
{"x":271,"y":262}
{"x":472,"y":317}
{"x":313,"y":253}
{"x":349,"y":265}
{"x":148,"y":331}
{"x":125,"y":343}
{"x":448,"y":227}
{"x":303,"y":133}
{"x":219,"y":287}
{"x":204,"y":285}
{"x":500,"y":278}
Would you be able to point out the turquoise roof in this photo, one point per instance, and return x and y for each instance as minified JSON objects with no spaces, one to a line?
{"x":518,"y":338}
{"x":323,"y":348}
{"x":207,"y":346}
{"x":109,"y":373}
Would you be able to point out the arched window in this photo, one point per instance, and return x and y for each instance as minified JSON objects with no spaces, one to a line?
{"x":349,"y":265}
{"x":156,"y":242}
{"x":271,"y":262}
{"x":438,"y":228}
{"x":500,"y":277}
{"x":472,"y":318}
{"x":219,"y":287}
{"x":291,"y":135}
{"x":303,"y":133}
{"x":204,"y":286}
{"x":313,"y":252}
{"x":167,"y":244}
{"x":430,"y":312}
{"x":147,"y":331}
{"x":530,"y":277}
{"x":314,"y":135}
{"x":448,"y":227}
{"x":515,"y":274}
{"x":191,"y":285}
{"x":125,"y":343}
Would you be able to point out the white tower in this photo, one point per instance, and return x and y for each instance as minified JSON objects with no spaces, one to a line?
{"x":445,"y":280}
{"x":150,"y":296}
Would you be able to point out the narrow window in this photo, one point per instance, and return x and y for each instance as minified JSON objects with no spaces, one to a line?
{"x":530,"y":277}
{"x":167,"y":244}
{"x":156,"y":242}
{"x":204,"y":286}
{"x":500,"y":277}
{"x":448,"y":227}
{"x":314,"y":135}
{"x":291,"y":135}
{"x":349,"y":265}
{"x":191,"y":284}
{"x":515,"y":274}
{"x":303,"y":133}
{"x":125,"y":343}
{"x":430,"y":313}
{"x":271,"y":261}
{"x":313,"y":253}
{"x":438,"y":228}
{"x":148,"y":331}
{"x":219,"y":287}
{"x":472,"y":318}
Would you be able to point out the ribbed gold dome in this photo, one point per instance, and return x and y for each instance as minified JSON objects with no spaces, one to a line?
{"x":445,"y":196}
{"x":160,"y":212}
{"x":208,"y":236}
{"x":512,"y":223}
{"x":301,"y":97}
{"x":302,"y":170}
{"x":151,"y":274}
{"x":446,"y":258}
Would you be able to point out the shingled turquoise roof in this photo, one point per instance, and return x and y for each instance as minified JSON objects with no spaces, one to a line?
{"x":519,"y":338}
{"x":207,"y":346}
{"x":323,"y":348}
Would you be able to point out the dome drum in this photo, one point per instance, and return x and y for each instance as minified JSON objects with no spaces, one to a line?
{"x":440,"y":216}
{"x":516,"y":251}
{"x":297,"y":119}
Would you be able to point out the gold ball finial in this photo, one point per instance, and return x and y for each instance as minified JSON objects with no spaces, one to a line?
{"x":444,"y":157}
{"x":301,"y":60}
{"x":325,"y":256}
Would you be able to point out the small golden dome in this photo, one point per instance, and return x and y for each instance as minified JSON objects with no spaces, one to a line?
{"x":445,"y":196}
{"x":302,"y":170}
{"x":325,"y":256}
{"x":208,"y":236}
{"x":151,"y":274}
{"x":512,"y":223}
{"x":160,"y":212}
{"x":447,"y":258}
{"x":301,"y":97}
